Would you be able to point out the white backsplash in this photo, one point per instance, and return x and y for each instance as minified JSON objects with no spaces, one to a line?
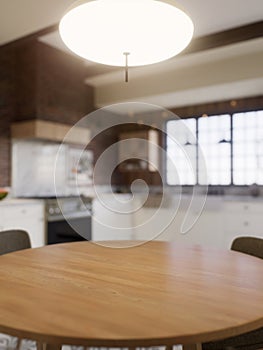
{"x":34,"y":165}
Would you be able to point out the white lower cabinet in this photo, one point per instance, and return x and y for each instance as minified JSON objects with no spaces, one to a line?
{"x":242,"y":219}
{"x":206,"y":229}
{"x":154,"y":223}
{"x":24,"y":215}
{"x":181,"y":226}
{"x":216,"y":226}
{"x":112,"y":218}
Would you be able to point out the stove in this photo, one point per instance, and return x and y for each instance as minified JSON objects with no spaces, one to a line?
{"x":68,"y":219}
{"x":67,"y":207}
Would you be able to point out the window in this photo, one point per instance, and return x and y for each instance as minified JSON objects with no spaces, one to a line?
{"x":181,"y":152}
{"x":214,"y":136}
{"x":216,"y":150}
{"x":248,"y":148}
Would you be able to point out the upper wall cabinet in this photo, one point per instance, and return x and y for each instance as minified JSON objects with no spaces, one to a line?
{"x":49,"y":131}
{"x":139,"y":150}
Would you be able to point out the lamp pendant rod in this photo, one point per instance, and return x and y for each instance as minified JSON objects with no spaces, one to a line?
{"x":126,"y":54}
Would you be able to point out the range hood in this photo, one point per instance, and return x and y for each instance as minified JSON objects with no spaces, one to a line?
{"x":49,"y":131}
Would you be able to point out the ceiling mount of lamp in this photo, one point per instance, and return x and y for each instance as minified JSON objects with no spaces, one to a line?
{"x":126,"y":33}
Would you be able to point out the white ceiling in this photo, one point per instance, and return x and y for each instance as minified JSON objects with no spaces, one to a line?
{"x":160,"y":84}
{"x":22,"y":17}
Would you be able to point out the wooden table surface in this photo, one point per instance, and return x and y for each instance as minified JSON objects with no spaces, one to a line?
{"x":154,"y":294}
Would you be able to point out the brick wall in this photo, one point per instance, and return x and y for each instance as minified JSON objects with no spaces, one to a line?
{"x":7,"y":111}
{"x":62,"y":94}
{"x":25,"y":81}
{"x":38,"y":82}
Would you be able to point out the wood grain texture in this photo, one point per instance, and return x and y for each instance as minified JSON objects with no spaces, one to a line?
{"x":227,"y":37}
{"x":158,"y":293}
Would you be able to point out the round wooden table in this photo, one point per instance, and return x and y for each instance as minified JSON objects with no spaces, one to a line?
{"x":158,"y":293}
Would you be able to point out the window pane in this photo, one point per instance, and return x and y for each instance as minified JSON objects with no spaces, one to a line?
{"x":214,"y":135}
{"x":181,"y":152}
{"x":248,"y":148}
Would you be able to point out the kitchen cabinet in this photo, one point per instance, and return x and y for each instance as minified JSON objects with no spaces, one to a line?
{"x":206,"y":229}
{"x":151,"y":223}
{"x":112,"y":217}
{"x":26,"y":215}
{"x":242,"y":218}
{"x":138,"y":150}
{"x":177,"y":223}
{"x":217,"y":226}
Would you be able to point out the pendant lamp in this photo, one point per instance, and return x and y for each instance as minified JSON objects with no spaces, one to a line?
{"x":126,"y":32}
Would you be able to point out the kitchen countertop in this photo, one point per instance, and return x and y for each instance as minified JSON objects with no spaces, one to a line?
{"x":242,"y":198}
{"x":19,"y":201}
{"x":227,"y":198}
{"x":219,"y":198}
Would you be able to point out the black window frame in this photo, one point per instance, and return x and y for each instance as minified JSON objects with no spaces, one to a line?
{"x":231,"y":114}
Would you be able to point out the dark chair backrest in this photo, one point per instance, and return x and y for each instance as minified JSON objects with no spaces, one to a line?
{"x":249,"y":245}
{"x":13,"y":240}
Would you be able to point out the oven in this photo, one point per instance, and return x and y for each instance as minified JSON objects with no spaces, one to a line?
{"x":68,"y":219}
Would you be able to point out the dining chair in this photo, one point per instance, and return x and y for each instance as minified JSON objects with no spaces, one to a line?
{"x":248,"y":245}
{"x":252,"y":340}
{"x":11,"y":241}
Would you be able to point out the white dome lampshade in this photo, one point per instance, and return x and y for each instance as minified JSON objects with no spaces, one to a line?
{"x":126,"y":32}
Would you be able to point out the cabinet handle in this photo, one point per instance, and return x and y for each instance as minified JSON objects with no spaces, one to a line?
{"x":246,"y":223}
{"x":246,"y":207}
